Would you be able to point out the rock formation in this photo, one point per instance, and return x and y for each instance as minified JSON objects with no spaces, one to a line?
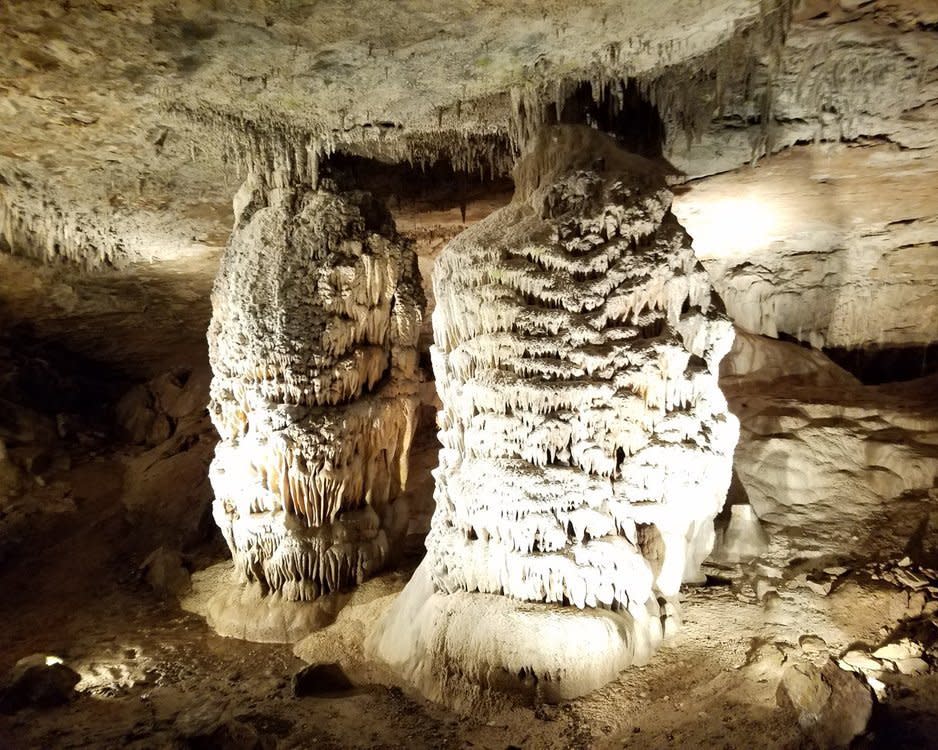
{"x":316,"y":312}
{"x":586,"y":445}
{"x":818,"y":450}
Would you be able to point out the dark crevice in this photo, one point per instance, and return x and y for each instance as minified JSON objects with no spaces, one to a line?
{"x":874,"y":365}
{"x":887,"y":364}
{"x":620,"y":110}
{"x":433,"y":187}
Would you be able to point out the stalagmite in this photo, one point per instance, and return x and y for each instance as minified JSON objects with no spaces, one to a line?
{"x":586,"y":444}
{"x":316,"y":312}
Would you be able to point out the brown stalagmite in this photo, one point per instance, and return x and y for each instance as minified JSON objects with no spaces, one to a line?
{"x":316,"y":312}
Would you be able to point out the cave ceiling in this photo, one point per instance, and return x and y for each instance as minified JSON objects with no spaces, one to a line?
{"x":126,"y":128}
{"x":122,"y":113}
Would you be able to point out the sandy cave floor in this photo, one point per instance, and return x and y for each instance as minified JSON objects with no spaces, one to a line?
{"x":70,"y":586}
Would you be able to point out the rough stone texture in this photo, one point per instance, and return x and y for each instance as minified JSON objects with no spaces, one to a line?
{"x":166,"y":489}
{"x":830,"y":465}
{"x":245,"y":612}
{"x":37,"y":681}
{"x":164,"y":571}
{"x":867,"y":71}
{"x":468,"y":650}
{"x":94,"y":170}
{"x":316,"y":313}
{"x":742,"y":539}
{"x":320,"y":679}
{"x":856,"y":72}
{"x":832,"y":706}
{"x":830,"y":244}
{"x":585,"y":443}
{"x":404,"y":78}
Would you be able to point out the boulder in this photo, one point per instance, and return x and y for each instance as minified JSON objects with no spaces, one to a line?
{"x":830,"y":705}
{"x":164,"y":571}
{"x":37,"y":680}
{"x":320,"y":679}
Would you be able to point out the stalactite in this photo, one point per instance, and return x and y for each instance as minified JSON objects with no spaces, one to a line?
{"x":687,"y":92}
{"x":34,"y":225}
{"x":285,"y":153}
{"x":316,"y":313}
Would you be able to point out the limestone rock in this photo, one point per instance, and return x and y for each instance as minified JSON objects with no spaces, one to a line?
{"x":343,"y":641}
{"x":166,"y":488}
{"x":164,"y":571}
{"x":459,"y":648}
{"x":861,"y":661}
{"x":246,"y":611}
{"x":912,"y":666}
{"x":161,"y":195}
{"x":316,"y":313}
{"x":576,"y":348}
{"x":888,"y":101}
{"x":38,"y":680}
{"x":139,"y":421}
{"x":820,"y":451}
{"x":820,"y":243}
{"x":831,"y":706}
{"x":899,"y":650}
{"x":743,"y":538}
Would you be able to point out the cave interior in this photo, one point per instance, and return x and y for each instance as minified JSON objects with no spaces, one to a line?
{"x":476,"y":374}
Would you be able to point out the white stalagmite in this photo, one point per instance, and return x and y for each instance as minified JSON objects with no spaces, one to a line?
{"x":316,"y":313}
{"x":586,"y":444}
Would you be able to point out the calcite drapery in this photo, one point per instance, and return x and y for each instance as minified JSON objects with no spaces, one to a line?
{"x":586,"y":444}
{"x":316,"y":312}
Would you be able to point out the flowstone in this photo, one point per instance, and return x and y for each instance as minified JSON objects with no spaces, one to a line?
{"x":316,"y":312}
{"x":586,"y":444}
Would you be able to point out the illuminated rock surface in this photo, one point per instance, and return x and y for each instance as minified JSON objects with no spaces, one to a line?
{"x":316,"y":312}
{"x":828,"y":464}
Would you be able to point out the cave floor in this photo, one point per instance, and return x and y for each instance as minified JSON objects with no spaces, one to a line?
{"x":151,"y":672}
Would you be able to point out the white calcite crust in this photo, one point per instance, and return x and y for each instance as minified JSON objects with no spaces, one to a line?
{"x":586,"y":444}
{"x":316,"y":312}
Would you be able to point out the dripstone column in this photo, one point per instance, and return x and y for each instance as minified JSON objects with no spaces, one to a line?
{"x":586,"y":444}
{"x":316,"y":312}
